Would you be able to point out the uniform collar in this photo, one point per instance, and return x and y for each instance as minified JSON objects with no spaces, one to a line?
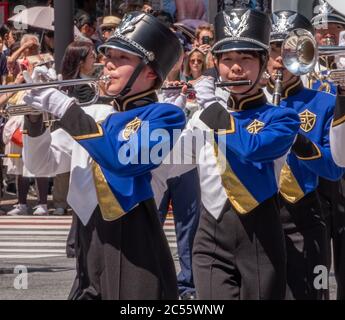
{"x":289,"y":90}
{"x":138,"y":100}
{"x":250,"y":102}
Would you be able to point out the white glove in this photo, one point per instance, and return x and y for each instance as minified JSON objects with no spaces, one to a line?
{"x":205,"y":92}
{"x":49,"y":100}
{"x":43,"y":74}
{"x":52,"y":74}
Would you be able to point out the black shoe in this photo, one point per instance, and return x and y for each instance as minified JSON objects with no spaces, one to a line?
{"x":188,"y":296}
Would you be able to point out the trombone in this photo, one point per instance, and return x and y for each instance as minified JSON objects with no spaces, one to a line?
{"x":28,"y":110}
{"x":300,"y":53}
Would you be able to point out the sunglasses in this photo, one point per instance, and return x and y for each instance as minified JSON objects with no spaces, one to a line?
{"x":198,"y":61}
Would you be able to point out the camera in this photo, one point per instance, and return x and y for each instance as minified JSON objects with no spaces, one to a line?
{"x":206,"y":40}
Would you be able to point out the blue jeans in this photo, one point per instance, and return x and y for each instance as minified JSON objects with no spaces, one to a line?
{"x":184,"y":193}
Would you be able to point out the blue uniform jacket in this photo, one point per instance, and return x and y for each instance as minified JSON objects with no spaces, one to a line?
{"x":128,"y":145}
{"x":311,"y":156}
{"x":253,"y":136}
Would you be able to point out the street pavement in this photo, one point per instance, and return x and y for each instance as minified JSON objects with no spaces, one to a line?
{"x":38,"y":244}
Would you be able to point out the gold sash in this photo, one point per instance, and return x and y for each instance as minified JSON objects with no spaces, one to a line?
{"x":110,"y":208}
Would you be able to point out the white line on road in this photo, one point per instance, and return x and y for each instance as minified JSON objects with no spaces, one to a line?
{"x":31,"y":244}
{"x":29,"y":256}
{"x":27,"y":227}
{"x":32,"y":232}
{"x":31,"y":221}
{"x":34,"y":250}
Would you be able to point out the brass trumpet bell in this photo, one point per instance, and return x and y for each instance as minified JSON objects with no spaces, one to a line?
{"x":300,"y":52}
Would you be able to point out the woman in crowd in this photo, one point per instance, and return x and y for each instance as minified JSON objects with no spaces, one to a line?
{"x":12,"y":135}
{"x":204,"y":40}
{"x":195,"y":64}
{"x":78,"y":62}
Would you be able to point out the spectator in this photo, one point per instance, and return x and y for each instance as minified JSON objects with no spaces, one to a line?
{"x":48,"y":42}
{"x":12,"y":135}
{"x":12,"y":67}
{"x":108,"y":26}
{"x":7,"y":37}
{"x":29,"y":46}
{"x":3,"y":64}
{"x":204,"y":40}
{"x":195,"y":64}
{"x":85,"y":25}
{"x":77,"y":63}
{"x":147,"y":7}
{"x":204,"y":37}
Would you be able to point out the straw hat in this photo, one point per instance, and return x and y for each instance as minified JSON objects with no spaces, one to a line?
{"x":110,"y":21}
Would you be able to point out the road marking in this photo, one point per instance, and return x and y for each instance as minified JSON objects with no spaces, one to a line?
{"x":35,"y":237}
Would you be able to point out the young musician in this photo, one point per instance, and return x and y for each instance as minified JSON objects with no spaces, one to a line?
{"x":239,"y":250}
{"x":310,"y":157}
{"x":121,"y":250}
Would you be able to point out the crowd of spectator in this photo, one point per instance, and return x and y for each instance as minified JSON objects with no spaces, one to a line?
{"x":17,"y":47}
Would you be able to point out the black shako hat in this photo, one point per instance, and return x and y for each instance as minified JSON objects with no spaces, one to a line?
{"x":284,"y":21}
{"x":325,"y":14}
{"x":143,"y":35}
{"x":242,"y":29}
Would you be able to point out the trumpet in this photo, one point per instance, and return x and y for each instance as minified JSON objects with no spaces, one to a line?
{"x":19,"y":110}
{"x":28,"y":110}
{"x":300,"y":53}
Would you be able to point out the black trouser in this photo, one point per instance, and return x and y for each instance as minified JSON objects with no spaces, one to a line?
{"x":306,"y":246}
{"x":240,"y":256}
{"x":186,"y":210}
{"x":332,"y":196}
{"x":126,"y":259}
{"x":71,"y":239}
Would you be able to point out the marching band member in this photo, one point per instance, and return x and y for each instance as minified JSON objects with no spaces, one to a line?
{"x":239,"y":250}
{"x":337,"y":131}
{"x":336,"y":199}
{"x":121,"y":249}
{"x":310,"y":157}
{"x":329,"y":24}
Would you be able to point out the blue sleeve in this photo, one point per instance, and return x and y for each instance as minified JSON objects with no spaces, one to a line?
{"x":269,"y":143}
{"x":131,"y":144}
{"x":320,"y":161}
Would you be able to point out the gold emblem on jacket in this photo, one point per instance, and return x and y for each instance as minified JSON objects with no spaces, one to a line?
{"x":308,"y":120}
{"x":131,"y":127}
{"x":255,"y":127}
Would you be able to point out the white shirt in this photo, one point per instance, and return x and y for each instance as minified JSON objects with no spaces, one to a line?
{"x":57,"y":152}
